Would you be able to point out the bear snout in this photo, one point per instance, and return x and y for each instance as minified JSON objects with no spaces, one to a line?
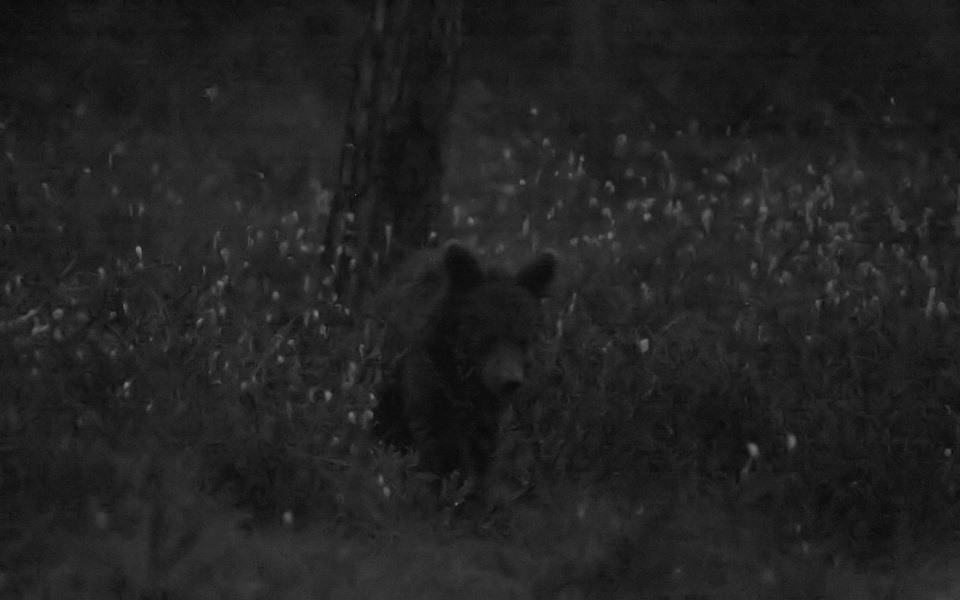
{"x":503,"y":372}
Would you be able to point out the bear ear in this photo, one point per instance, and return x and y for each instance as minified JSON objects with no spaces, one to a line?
{"x":538,"y":275}
{"x":462,"y":268}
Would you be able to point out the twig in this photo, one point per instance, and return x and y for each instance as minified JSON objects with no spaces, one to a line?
{"x":21,"y":322}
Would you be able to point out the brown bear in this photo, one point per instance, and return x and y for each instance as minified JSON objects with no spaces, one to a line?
{"x":464,"y":352}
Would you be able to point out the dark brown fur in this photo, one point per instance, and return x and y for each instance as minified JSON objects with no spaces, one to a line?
{"x":465,"y":342}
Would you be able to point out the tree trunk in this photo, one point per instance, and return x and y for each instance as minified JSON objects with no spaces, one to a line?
{"x":390,"y":170}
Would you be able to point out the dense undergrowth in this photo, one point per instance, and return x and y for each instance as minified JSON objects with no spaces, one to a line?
{"x":782,"y":330}
{"x":769,"y":320}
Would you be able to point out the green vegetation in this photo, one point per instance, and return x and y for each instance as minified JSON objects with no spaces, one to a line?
{"x":747,"y":381}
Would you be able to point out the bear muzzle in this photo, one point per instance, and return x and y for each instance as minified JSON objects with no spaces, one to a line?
{"x":504,"y":370}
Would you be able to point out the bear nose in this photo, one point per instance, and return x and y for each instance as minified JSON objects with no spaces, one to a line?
{"x":510,"y":386}
{"x":503,"y":373}
{"x":509,"y":377}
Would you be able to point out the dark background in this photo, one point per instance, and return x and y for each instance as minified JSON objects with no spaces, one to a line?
{"x":719,"y":62}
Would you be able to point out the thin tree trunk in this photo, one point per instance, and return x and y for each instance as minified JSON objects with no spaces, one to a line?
{"x":391,"y":170}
